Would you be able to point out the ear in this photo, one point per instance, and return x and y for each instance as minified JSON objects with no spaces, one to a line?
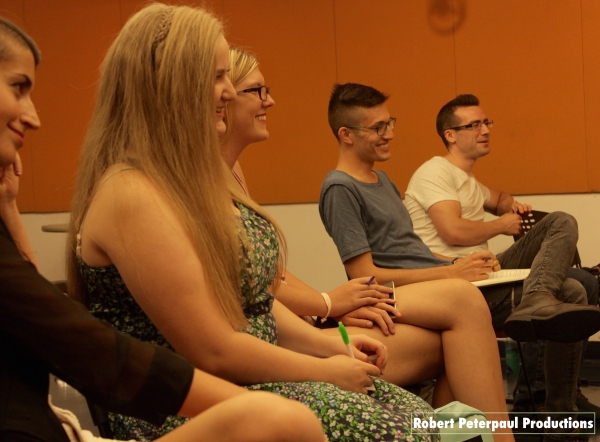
{"x":450,"y":136}
{"x":345,"y":135}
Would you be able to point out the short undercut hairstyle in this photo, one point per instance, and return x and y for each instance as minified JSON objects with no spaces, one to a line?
{"x":446,"y":118}
{"x":346,"y":101}
{"x":11,"y":32}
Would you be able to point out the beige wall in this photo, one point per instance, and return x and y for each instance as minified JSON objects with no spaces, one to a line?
{"x":312,"y":254}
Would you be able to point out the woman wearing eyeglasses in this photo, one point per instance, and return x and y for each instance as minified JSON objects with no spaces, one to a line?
{"x":42,"y":331}
{"x":418,"y":348}
{"x":166,"y":247}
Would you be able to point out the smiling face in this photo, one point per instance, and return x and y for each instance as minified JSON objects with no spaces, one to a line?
{"x":224,"y":90}
{"x":469,"y":144}
{"x":367,"y":145}
{"x":17,"y":112}
{"x":250,"y":112}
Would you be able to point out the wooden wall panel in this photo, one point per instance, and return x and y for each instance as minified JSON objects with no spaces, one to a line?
{"x":524,"y":61}
{"x":405,"y":49}
{"x":535,"y":66}
{"x":591,"y":78}
{"x":73,"y":36}
{"x":294,"y":42}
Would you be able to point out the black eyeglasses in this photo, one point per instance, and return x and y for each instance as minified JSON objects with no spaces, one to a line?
{"x":380,"y":129}
{"x":263,"y":91}
{"x":475,"y":125}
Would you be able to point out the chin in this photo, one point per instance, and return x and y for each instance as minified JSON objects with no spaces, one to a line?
{"x":221,"y":127}
{"x":257,"y":139}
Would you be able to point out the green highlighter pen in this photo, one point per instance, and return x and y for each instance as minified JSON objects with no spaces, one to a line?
{"x":344,"y":334}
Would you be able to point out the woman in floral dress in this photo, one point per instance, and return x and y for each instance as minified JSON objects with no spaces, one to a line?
{"x":455,"y":345}
{"x":164,"y":247}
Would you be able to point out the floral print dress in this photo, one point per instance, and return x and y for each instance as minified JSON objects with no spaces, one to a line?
{"x":384,"y":414}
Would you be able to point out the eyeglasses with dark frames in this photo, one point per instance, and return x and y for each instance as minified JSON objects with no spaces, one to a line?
{"x":475,"y":125}
{"x":380,"y":129}
{"x":263,"y":91}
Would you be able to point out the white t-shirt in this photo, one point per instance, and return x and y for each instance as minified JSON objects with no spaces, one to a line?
{"x":439,"y":180}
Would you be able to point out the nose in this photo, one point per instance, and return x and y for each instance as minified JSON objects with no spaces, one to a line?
{"x":269,"y":101}
{"x":484,"y":129}
{"x":389,"y":133}
{"x":29,"y":116}
{"x":228,"y":93}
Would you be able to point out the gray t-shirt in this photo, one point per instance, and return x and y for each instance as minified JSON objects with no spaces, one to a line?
{"x":370,"y":217}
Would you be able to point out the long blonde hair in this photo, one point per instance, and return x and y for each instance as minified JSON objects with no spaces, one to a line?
{"x":156,"y":97}
{"x":241,"y":64}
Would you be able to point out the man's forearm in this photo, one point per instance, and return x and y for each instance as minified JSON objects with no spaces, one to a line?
{"x":404,"y":276}
{"x":467,"y":233}
{"x":505,"y":203}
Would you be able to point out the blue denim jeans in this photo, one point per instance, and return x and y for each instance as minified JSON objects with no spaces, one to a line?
{"x":547,"y":249}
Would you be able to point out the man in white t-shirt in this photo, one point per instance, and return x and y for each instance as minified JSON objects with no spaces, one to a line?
{"x":447,"y":206}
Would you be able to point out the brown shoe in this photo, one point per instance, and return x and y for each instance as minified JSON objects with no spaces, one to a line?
{"x":541,"y":316}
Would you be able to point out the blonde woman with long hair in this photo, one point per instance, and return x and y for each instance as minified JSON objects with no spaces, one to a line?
{"x":42,"y":331}
{"x":165,"y":246}
{"x":420,"y":345}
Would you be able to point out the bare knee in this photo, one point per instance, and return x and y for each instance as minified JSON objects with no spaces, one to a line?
{"x":467,"y":299}
{"x":282,"y":419}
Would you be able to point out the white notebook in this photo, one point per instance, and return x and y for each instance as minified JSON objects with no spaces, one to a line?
{"x":505,"y":275}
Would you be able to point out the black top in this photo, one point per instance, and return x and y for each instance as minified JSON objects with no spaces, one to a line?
{"x":42,"y":331}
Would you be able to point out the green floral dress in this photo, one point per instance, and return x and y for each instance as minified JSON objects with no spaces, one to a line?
{"x":384,"y":414}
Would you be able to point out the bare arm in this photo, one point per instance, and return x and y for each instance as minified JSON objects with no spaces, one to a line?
{"x":501,"y":203}
{"x":457,"y":231}
{"x":140,"y":234}
{"x":472,"y":268}
{"x":207,"y":390}
{"x":9,"y":188}
{"x":306,"y":301}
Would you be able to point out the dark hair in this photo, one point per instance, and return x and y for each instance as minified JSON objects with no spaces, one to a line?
{"x":10,"y":31}
{"x":346,"y":99}
{"x":446,"y":117}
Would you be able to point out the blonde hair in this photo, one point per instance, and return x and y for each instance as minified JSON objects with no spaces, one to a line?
{"x":241,"y":64}
{"x":156,"y":97}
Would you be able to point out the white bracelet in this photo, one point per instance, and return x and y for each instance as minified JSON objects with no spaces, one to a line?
{"x":327,"y":300}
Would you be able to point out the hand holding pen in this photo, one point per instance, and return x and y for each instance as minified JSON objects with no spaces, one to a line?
{"x":362,"y":344}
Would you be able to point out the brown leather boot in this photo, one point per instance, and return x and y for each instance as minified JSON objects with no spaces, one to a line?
{"x":540,"y":316}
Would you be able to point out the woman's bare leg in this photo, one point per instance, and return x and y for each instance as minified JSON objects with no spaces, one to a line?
{"x":252,"y":417}
{"x":472,"y":362}
{"x":442,"y":393}
{"x":414,"y":353}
